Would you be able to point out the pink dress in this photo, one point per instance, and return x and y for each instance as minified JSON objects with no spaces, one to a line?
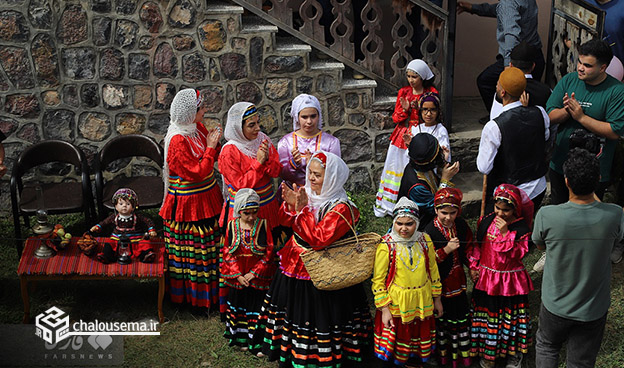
{"x":293,"y":173}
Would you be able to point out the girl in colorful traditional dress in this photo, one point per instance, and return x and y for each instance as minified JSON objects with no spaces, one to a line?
{"x":300,"y":325}
{"x":430,"y":115}
{"x":125,"y":222}
{"x":192,"y":203}
{"x":405,"y":116}
{"x":248,"y":160}
{"x":296,"y":148}
{"x":453,"y":241}
{"x":247,"y":269}
{"x":501,"y":325}
{"x":406,"y":286}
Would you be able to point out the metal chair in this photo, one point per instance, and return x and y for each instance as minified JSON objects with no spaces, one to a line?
{"x":148,"y":188}
{"x":55,"y":198}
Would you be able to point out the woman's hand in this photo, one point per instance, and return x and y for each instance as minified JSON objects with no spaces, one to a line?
{"x":95,"y":229}
{"x":249,"y":276}
{"x":263,"y":152}
{"x":302,"y":198}
{"x":213,"y":137}
{"x":289,"y":196}
{"x":296,"y":155}
{"x":386,"y":318}
{"x":447,"y":153}
{"x":449,"y":171}
{"x":438,"y":310}
{"x":452,"y":246}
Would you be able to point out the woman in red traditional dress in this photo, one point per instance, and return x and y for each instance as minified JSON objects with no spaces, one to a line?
{"x":192,"y":204}
{"x":249,"y":160}
{"x":300,"y":325}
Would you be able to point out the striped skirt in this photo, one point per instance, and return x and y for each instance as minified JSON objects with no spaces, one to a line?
{"x":301,"y":326}
{"x":454,"y":331}
{"x":414,"y":340}
{"x":241,"y":317}
{"x":501,"y":325}
{"x":396,"y":160}
{"x":193,"y":253}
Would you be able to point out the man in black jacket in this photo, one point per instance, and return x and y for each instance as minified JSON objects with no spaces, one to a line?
{"x":512,"y":146}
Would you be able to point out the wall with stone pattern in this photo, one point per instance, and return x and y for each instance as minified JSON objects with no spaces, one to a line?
{"x":87,"y":71}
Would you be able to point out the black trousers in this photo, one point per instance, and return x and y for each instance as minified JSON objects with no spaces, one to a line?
{"x":486,"y":81}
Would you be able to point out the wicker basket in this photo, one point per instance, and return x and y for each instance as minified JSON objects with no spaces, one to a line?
{"x":345,"y":263}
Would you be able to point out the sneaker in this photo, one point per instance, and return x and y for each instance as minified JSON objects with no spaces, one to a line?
{"x":483,"y":363}
{"x":539,"y":265}
{"x":514,"y":361}
{"x":616,"y":254}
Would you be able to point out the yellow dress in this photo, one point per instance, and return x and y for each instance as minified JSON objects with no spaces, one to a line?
{"x":411,"y":291}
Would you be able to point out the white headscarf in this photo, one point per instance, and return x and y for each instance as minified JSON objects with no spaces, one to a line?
{"x":336,"y":175}
{"x":182,"y":122}
{"x":301,"y":102}
{"x":405,"y":208}
{"x":245,"y":198}
{"x":234,"y":131}
{"x":421,"y":68}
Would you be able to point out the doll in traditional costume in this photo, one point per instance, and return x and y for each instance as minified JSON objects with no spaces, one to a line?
{"x":126,"y":226}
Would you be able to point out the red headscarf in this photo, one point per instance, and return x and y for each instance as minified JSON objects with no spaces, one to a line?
{"x":516,"y":197}
{"x":448,"y":197}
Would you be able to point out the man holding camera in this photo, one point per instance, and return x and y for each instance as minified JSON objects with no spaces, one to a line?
{"x":591,"y":100}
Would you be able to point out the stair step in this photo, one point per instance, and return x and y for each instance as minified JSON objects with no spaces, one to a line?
{"x":222,"y":8}
{"x":358,"y":83}
{"x":326,"y":65}
{"x":384,"y":102}
{"x":291,"y":46}
{"x":253,"y":24}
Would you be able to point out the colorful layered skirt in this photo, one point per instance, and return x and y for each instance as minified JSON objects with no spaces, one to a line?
{"x":454,"y":331}
{"x":301,"y":326}
{"x":241,"y":316}
{"x":501,"y":325}
{"x":193,"y":251}
{"x":407,"y":341}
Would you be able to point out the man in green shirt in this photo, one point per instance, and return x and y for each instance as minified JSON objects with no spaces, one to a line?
{"x":587,"y":99}
{"x":578,"y":237}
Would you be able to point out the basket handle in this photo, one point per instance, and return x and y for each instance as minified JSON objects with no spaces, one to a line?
{"x":358,"y":247}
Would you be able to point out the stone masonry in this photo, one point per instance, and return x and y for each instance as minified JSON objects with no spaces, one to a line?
{"x":87,"y":71}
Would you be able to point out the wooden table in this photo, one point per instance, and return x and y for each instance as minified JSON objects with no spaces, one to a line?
{"x":71,"y":264}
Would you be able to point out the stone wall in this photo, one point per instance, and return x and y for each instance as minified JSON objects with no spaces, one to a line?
{"x":86,"y":71}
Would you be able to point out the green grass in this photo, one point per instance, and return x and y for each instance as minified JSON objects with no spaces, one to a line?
{"x":191,"y":338}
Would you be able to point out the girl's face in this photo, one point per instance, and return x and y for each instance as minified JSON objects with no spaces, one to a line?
{"x":249,"y":215}
{"x":405,"y":227}
{"x":429,"y":113}
{"x":316,"y":176}
{"x":414,"y":80}
{"x":308,"y":120}
{"x":504,"y":210}
{"x":251,"y":128}
{"x":447,"y":215}
{"x":124,"y":207}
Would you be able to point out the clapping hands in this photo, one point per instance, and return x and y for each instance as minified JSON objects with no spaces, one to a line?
{"x":213,"y":137}
{"x":263,"y":152}
{"x":295,"y":198}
